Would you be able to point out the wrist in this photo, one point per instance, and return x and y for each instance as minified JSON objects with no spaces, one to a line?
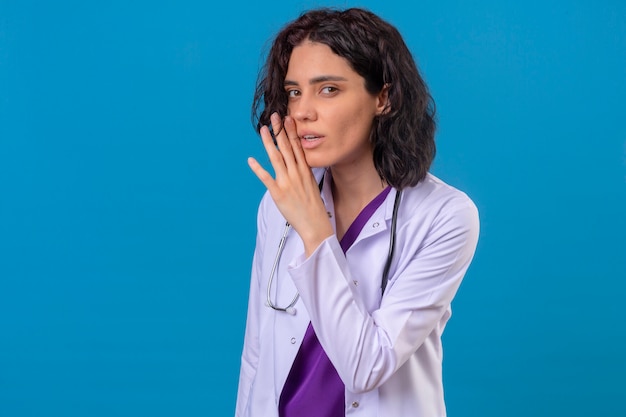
{"x":315,"y":237}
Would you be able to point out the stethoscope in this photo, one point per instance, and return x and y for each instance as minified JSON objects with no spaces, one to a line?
{"x":290,"y":309}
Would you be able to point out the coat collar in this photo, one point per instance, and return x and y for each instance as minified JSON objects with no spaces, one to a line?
{"x":378,"y":223}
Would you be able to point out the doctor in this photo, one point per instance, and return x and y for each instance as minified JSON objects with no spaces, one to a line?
{"x":359,"y":250}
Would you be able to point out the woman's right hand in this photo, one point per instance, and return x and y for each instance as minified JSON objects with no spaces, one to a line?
{"x":294,"y":190}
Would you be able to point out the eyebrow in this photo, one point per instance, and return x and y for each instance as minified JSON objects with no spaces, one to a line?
{"x":320,"y":79}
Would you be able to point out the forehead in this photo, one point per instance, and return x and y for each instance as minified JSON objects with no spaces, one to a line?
{"x":313,"y":59}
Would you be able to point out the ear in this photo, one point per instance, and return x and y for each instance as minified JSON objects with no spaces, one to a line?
{"x":382,"y":104}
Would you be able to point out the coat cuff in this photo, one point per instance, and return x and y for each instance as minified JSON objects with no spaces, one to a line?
{"x":299,"y":266}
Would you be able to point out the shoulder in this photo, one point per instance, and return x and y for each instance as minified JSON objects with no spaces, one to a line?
{"x":433,"y":202}
{"x":267,"y":210}
{"x":434,"y":194}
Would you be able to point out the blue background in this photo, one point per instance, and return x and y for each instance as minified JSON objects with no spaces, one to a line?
{"x":127,"y":210}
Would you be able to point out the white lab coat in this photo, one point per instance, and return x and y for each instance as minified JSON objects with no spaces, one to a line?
{"x":387,"y":352}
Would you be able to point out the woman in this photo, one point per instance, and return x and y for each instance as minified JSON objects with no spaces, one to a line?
{"x":347,"y":316}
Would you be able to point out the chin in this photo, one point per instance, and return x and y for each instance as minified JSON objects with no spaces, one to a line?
{"x":315,"y":162}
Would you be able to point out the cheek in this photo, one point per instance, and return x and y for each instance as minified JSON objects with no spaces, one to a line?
{"x":360,"y":121}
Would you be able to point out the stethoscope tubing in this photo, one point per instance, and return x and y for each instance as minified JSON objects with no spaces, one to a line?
{"x":281,"y":245}
{"x":392,"y":242}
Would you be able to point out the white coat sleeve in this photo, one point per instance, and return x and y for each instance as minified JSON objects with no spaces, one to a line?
{"x":250,"y":354}
{"x":367,"y":348}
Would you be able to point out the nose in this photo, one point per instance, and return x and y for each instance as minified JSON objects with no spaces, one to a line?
{"x":303,"y":109}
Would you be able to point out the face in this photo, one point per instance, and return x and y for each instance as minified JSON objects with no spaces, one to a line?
{"x":332,"y":109}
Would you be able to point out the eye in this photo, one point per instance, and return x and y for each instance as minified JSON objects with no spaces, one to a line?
{"x":293,"y":93}
{"x":328,"y":90}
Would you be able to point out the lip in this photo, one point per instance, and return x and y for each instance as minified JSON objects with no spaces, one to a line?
{"x":316,"y":140}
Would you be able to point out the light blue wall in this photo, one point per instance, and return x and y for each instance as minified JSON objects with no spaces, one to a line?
{"x":127,"y":210}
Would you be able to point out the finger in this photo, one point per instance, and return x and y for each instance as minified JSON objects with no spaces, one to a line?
{"x":296,"y":146}
{"x":282,"y":140}
{"x":265,"y":177}
{"x":275,"y":156}
{"x":304,"y":169}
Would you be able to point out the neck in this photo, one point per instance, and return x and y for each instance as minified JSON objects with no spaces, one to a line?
{"x":353,"y":189}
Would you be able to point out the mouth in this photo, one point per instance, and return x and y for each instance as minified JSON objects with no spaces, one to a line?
{"x":310,"y":138}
